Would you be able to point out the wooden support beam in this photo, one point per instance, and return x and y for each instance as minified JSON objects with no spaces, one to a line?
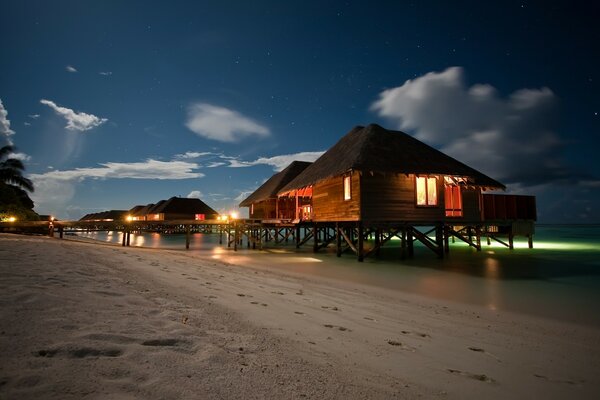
{"x":124,"y":235}
{"x":478,"y":237}
{"x":465,"y":239}
{"x":338,"y":240}
{"x":410,"y":242}
{"x":361,"y":238}
{"x":529,"y":240}
{"x":499,"y":241}
{"x":439,"y":239}
{"x":348,"y":241}
{"x":187,"y":237}
{"x":315,"y":238}
{"x":511,"y":240}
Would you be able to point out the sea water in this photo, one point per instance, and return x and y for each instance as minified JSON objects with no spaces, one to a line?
{"x":559,"y":278}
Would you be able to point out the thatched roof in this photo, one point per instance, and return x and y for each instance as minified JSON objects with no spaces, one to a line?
{"x":116,"y":215}
{"x":179,"y":205}
{"x":269,"y":189}
{"x":378,"y":150}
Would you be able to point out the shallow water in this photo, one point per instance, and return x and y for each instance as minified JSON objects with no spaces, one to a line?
{"x":559,"y":278}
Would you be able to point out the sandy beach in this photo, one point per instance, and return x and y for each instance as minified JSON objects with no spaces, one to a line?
{"x":84,"y":320}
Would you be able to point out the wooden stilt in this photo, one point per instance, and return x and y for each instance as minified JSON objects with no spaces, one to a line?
{"x":478,"y":237}
{"x":446,"y":240}
{"x":529,"y":241}
{"x":338,"y":240}
{"x":124,"y":234}
{"x":128,"y":237}
{"x":403,"y":244}
{"x":359,"y":247}
{"x":235,"y":237}
{"x":410,"y":242}
{"x":297,"y":237}
{"x":315,"y":239}
{"x":61,"y":232}
{"x":511,"y":241}
{"x":187,"y":237}
{"x":377,"y":241}
{"x":439,"y":240}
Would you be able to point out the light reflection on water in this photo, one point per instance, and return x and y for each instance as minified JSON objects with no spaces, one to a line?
{"x":559,"y":278}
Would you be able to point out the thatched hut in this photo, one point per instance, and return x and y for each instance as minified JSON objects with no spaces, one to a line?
{"x":264,"y":203}
{"x":377,"y":175}
{"x":180,"y":208}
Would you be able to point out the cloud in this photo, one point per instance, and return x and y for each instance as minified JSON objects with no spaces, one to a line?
{"x":27,"y":123}
{"x":34,"y":116}
{"x":222,"y":124}
{"x":5,"y":124}
{"x":149,"y":169}
{"x":20,"y":156}
{"x":70,"y":68}
{"x":76,"y":121}
{"x":195,"y":194}
{"x":513,"y":139}
{"x":55,"y":188}
{"x":105,"y":73}
{"x":194,"y":154}
{"x":278,"y":162}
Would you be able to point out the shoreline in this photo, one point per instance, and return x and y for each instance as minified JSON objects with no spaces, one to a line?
{"x":404,"y":344}
{"x":464,"y":277}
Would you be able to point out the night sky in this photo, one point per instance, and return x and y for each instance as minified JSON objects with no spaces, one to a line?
{"x":117,"y":103}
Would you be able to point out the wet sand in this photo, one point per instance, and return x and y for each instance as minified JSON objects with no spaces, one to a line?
{"x":101,"y":321}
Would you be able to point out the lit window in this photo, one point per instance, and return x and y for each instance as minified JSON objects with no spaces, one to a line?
{"x":252,"y":209}
{"x":426,"y":191}
{"x":453,"y":200}
{"x":347,"y":188}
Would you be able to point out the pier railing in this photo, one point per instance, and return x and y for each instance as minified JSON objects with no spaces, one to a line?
{"x":509,"y":207}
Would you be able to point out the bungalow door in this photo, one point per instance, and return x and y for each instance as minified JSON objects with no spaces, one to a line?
{"x":453,"y":201}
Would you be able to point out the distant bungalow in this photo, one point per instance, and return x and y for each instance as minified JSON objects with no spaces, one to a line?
{"x":175,"y":208}
{"x":375,"y":178}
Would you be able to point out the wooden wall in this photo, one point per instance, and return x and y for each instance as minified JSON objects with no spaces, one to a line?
{"x":391,"y":197}
{"x":328,"y":200}
{"x":471,"y":206}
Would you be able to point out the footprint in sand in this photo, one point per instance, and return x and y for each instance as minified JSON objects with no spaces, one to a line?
{"x":279,"y":293}
{"x":341,"y":328}
{"x":299,"y":313}
{"x":480,"y":350}
{"x":569,"y":382}
{"x":477,"y":377}
{"x":423,"y":335}
{"x":330,"y":308}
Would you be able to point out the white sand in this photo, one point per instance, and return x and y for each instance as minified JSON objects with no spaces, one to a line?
{"x":97,"y":321}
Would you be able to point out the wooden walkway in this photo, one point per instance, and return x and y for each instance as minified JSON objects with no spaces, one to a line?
{"x":363,"y":239}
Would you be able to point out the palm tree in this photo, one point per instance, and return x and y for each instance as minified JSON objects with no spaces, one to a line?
{"x":11,"y":170}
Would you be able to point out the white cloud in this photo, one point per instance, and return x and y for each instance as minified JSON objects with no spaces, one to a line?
{"x":26,"y":123}
{"x":194,"y":154}
{"x":149,"y":169}
{"x":222,"y":124}
{"x":55,"y":188}
{"x":215,"y":164}
{"x":512,"y":139}
{"x":76,"y":121}
{"x":105,"y":73}
{"x":5,"y":124}
{"x":278,"y":162}
{"x":20,"y":156}
{"x":34,"y":116}
{"x":70,"y":68}
{"x":195,"y":194}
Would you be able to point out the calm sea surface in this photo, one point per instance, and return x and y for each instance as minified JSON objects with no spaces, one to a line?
{"x":559,"y":278}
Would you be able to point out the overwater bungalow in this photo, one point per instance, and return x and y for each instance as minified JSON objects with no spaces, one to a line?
{"x":264,"y":204}
{"x":105,"y":216}
{"x":386,"y":183}
{"x":178,"y":208}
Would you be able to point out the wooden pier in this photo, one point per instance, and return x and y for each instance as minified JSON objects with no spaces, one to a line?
{"x":362,"y":239}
